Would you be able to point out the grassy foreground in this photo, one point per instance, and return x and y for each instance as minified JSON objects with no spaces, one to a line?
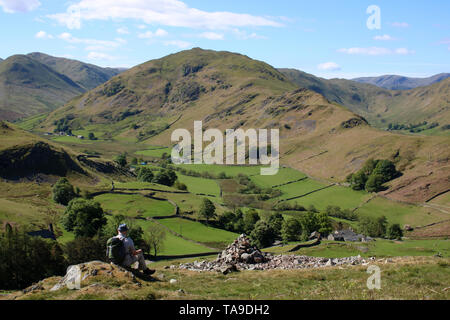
{"x":401,"y":278}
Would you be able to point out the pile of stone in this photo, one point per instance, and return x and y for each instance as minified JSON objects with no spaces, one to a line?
{"x":241,"y":255}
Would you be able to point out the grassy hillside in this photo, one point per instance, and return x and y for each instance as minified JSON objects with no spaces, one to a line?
{"x":28,"y":87}
{"x":381,"y":106}
{"x":36,"y":83}
{"x":393,"y":82}
{"x":402,"y":278}
{"x":226,"y":90}
{"x":87,"y":76}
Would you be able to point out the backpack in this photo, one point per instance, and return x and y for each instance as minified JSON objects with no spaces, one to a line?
{"x":115,"y":250}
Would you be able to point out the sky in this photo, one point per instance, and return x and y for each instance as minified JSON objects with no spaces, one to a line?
{"x":328,"y":38}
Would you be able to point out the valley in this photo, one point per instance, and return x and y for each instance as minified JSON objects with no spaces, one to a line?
{"x":322,"y":142}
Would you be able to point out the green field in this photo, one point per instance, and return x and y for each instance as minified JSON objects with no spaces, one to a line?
{"x":284,"y":175}
{"x":299,"y":188}
{"x":154,"y":152}
{"x":134,"y":205}
{"x":200,"y":185}
{"x":228,"y":170}
{"x":400,"y":213}
{"x":343,"y":197}
{"x":199,"y":232}
{"x":174,"y":245}
{"x":378,"y":248}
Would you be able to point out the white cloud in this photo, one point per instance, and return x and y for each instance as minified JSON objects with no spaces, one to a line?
{"x":92,"y":44}
{"x":375,"y":51}
{"x":100,"y":56}
{"x":404,"y":51}
{"x":123,"y":30}
{"x":384,"y":37}
{"x":142,"y":26}
{"x":243,"y":35}
{"x":43,"y":35}
{"x":177,"y":43}
{"x":157,"y":34}
{"x":173,"y":13}
{"x":400,"y":24}
{"x":329,"y":66}
{"x":12,"y":6}
{"x":212,"y":36}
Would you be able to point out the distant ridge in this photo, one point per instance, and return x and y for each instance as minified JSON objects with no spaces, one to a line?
{"x":36,"y":83}
{"x":86,"y":75}
{"x":383,"y":106}
{"x":393,"y":82}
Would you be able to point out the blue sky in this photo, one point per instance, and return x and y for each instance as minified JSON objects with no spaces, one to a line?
{"x":327,"y":38}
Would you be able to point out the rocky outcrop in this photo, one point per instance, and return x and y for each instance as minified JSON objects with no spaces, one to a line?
{"x":21,"y":161}
{"x":78,"y":276}
{"x":241,"y":255}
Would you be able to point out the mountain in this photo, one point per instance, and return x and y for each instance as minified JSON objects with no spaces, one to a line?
{"x":87,"y":76}
{"x":381,"y":106}
{"x":393,"y":82}
{"x":36,"y":83}
{"x":228,"y":90}
{"x":28,"y":87}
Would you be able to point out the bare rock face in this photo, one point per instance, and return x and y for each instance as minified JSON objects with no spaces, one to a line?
{"x":241,"y":255}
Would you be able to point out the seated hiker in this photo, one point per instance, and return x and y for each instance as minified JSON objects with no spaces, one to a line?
{"x":121,"y":251}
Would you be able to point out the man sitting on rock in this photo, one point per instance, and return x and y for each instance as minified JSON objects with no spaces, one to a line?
{"x":131,"y":255}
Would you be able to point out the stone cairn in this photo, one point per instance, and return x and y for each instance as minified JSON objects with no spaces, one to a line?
{"x":241,"y":255}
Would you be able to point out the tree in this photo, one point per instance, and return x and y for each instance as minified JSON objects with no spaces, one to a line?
{"x":262,"y":235}
{"x":121,"y":160}
{"x":250,"y":218}
{"x":394,"y":232}
{"x":324,"y":224}
{"x":358,"y":180}
{"x":145,"y":174}
{"x":165,"y":177}
{"x":155,"y":238}
{"x":275,"y":221}
{"x":373,"y":227}
{"x":180,"y":186}
{"x":374,"y":183}
{"x":91,"y":136}
{"x":134,"y":161}
{"x":84,"y":249}
{"x":386,"y":169}
{"x":84,"y":217}
{"x":227,"y":220}
{"x":291,"y":230}
{"x":63,"y":192}
{"x":309,"y":224}
{"x":25,"y":259}
{"x":207,"y":210}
